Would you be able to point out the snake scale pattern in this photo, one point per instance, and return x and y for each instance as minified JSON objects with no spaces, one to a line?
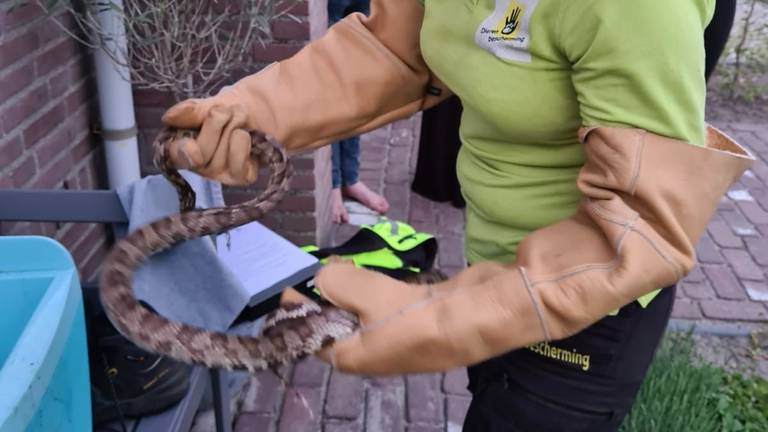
{"x":289,"y":333}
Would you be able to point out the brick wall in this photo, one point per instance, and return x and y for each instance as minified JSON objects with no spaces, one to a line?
{"x":48,"y":107}
{"x":304,"y":215}
{"x":46,"y":103}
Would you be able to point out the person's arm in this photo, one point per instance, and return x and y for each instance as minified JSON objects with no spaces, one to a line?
{"x":365,"y":72}
{"x":652,"y":179}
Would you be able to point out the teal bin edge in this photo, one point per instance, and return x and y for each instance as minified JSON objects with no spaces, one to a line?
{"x":33,"y":253}
{"x":44,"y":378}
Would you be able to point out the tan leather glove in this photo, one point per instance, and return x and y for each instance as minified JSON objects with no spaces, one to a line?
{"x":363,"y":73}
{"x":646,"y":202}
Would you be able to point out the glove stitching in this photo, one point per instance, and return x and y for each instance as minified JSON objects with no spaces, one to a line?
{"x":536,"y":307}
{"x":675,"y":268}
{"x":402,"y":311}
{"x":637,"y":162}
{"x":609,"y":215}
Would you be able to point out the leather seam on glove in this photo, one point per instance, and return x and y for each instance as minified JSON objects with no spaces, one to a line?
{"x":637,"y":163}
{"x":402,"y":311}
{"x":679,"y":273}
{"x":536,"y":307}
{"x":600,"y":211}
{"x":609,"y":215}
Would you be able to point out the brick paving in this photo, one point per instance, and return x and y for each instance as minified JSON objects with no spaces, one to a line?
{"x":729,"y":285}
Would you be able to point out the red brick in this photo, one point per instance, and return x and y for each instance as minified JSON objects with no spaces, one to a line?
{"x":425,"y":428}
{"x":698,"y":290}
{"x":152,"y":98}
{"x":456,"y":409}
{"x":696,"y":275}
{"x":686,"y":309}
{"x":55,"y":57}
{"x":758,"y":247}
{"x":149,"y":117}
{"x":297,"y":8}
{"x":47,"y":31}
{"x":753,"y":212}
{"x":10,"y":151}
{"x":707,"y":252}
{"x":739,"y":224}
{"x":401,"y":137}
{"x":299,"y":239}
{"x":346,"y":396}
{"x":24,"y":108}
{"x":26,"y":13}
{"x":269,"y":394}
{"x":757,"y":291}
{"x":89,"y":242}
{"x":297,"y":203}
{"x":723,"y":236}
{"x":303,"y":182}
{"x":299,"y":223}
{"x":302,"y":410}
{"x":310,"y":372}
{"x":274,"y":52}
{"x":734,"y":310}
{"x":250,"y":422}
{"x":18,"y":48}
{"x":39,"y":128}
{"x":342,"y":426}
{"x":451,"y":252}
{"x":303,"y":164}
{"x":725,"y":283}
{"x":455,"y":382}
{"x":743,"y":264}
{"x":85,"y":146}
{"x":290,"y":29}
{"x":425,"y":402}
{"x":71,"y":234}
{"x":53,"y":174}
{"x":61,"y":81}
{"x":24,"y":172}
{"x":16,"y":81}
{"x":89,"y":269}
{"x":41,"y":229}
{"x":384,"y":409}
{"x":79,"y":97}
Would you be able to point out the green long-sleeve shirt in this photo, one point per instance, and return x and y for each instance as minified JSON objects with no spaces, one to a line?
{"x":529,"y":73}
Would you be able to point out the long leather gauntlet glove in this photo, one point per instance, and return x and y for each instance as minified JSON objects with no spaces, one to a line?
{"x":363,"y":73}
{"x":646,"y":202}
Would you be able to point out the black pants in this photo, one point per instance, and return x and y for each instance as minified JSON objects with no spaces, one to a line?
{"x":586,"y":382}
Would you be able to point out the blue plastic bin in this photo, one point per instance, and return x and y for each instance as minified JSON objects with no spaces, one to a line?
{"x":44,"y":381}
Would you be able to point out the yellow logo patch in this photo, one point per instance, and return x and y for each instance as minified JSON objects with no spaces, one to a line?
{"x":505,"y":32}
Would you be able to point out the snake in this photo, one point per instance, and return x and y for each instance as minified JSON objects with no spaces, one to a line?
{"x":290,"y":332}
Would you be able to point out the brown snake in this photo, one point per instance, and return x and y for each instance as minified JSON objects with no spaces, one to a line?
{"x":290,"y":332}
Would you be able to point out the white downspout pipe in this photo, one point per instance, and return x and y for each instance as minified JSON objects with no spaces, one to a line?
{"x":118,"y":120}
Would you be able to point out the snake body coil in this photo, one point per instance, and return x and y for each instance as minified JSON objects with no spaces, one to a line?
{"x":291,"y":332}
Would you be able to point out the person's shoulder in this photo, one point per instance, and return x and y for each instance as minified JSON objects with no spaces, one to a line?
{"x":627,"y":12}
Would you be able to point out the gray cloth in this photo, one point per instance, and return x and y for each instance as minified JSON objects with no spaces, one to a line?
{"x":187,"y":283}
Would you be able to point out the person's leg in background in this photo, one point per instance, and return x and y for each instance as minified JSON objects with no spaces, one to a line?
{"x":717,"y":33}
{"x":351,"y":186}
{"x":346,"y":153}
{"x":339,"y":213}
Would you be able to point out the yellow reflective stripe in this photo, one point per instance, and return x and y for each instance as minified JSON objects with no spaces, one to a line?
{"x":646,"y":299}
{"x":310,"y":248}
{"x":398,"y":235}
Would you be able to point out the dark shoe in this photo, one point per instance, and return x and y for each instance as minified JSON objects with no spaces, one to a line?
{"x":127,"y":381}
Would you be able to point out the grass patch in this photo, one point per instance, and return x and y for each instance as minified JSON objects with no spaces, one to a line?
{"x":682,"y":394}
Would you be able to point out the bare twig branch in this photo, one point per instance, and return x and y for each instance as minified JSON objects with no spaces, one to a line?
{"x":185,"y":47}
